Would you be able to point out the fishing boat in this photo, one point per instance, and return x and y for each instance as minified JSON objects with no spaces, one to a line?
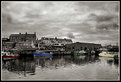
{"x":107,"y":54}
{"x":8,"y":55}
{"x":43,"y":53}
{"x":82,"y":52}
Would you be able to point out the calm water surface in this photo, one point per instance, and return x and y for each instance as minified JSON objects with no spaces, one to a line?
{"x":61,"y":68}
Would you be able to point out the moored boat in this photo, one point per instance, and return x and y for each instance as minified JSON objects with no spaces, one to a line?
{"x":42,"y":53}
{"x":8,"y":55}
{"x":79,"y":52}
{"x":107,"y":54}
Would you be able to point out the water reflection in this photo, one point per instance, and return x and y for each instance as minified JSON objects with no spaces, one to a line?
{"x":23,"y":66}
{"x":113,"y":62}
{"x":20,"y":66}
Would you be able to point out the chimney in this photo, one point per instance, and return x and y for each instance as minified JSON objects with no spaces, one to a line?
{"x":55,"y":37}
{"x":35,"y":33}
{"x":26,"y":33}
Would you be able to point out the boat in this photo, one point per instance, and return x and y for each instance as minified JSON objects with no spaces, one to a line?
{"x":8,"y":55}
{"x":43,"y":53}
{"x":107,"y":54}
{"x":82,"y":52}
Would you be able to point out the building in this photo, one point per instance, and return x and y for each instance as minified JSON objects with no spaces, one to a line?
{"x":23,"y":40}
{"x":8,"y":45}
{"x":22,"y":37}
{"x":40,"y":44}
{"x":24,"y":45}
{"x":5,"y":39}
{"x":53,"y":43}
{"x":111,"y":48}
{"x":82,"y":46}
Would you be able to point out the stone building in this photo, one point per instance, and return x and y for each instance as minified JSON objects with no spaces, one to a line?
{"x":22,"y":37}
{"x":23,"y":40}
{"x":24,"y":45}
{"x":8,"y":45}
{"x":53,"y":43}
{"x":82,"y":46}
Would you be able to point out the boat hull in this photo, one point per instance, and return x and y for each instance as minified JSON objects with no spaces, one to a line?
{"x":9,"y":57}
{"x":38,"y":54}
{"x":79,"y":53}
{"x":101,"y":55}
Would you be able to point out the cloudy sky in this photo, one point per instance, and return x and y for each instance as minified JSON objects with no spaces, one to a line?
{"x":95,"y":22}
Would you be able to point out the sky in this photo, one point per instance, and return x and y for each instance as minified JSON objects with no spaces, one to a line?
{"x":81,"y":21}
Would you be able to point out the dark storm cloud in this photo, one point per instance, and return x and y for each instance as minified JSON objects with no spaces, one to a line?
{"x":102,"y":18}
{"x":111,"y":26}
{"x":105,"y":21}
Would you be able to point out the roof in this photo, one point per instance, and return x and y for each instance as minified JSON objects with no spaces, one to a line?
{"x":45,"y":38}
{"x":84,"y":43}
{"x":12,"y":35}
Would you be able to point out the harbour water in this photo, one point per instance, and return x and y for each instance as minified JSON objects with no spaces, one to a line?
{"x":61,"y":68}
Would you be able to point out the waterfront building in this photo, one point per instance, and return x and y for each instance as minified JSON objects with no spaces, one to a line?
{"x":19,"y":41}
{"x":5,"y":40}
{"x":40,"y":44}
{"x":53,"y":43}
{"x":82,"y":46}
{"x":24,"y":45}
{"x":22,"y":37}
{"x":7,"y":45}
{"x":113,"y":48}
